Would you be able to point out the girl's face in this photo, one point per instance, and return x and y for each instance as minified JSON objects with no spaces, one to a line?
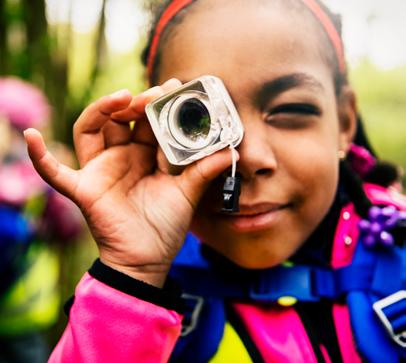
{"x":271,"y":64}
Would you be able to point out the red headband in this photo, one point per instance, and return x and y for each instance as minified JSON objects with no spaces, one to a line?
{"x":174,"y":7}
{"x":330,"y":30}
{"x":177,"y":5}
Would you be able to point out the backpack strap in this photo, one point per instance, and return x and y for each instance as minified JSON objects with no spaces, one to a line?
{"x":373,"y":281}
{"x":378,"y":313}
{"x":302,"y":282}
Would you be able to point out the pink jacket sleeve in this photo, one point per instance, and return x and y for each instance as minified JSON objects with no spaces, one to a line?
{"x":107,"y":325}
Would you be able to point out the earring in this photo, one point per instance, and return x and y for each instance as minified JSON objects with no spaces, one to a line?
{"x":341,"y":154}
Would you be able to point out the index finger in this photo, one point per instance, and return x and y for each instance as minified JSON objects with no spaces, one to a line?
{"x":88,"y":138}
{"x":142,"y":132}
{"x":136,"y":109}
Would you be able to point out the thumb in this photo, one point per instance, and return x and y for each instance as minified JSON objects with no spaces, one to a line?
{"x":59,"y":176}
{"x":196,"y":177}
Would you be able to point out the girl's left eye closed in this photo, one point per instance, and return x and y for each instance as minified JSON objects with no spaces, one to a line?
{"x":296,"y":108}
{"x":292,"y":114}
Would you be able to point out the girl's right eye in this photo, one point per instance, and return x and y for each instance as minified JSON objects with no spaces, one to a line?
{"x":292,"y":115}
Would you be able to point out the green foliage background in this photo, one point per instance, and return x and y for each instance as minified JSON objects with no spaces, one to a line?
{"x":74,"y":69}
{"x":382,"y":102}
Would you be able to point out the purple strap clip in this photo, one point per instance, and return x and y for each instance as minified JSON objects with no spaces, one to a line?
{"x":375,"y":230}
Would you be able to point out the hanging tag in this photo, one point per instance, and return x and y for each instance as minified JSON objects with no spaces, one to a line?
{"x":231,"y":194}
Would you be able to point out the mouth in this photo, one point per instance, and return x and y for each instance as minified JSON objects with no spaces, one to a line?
{"x":253,"y":218}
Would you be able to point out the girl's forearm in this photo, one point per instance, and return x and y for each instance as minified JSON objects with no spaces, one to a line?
{"x":107,"y":325}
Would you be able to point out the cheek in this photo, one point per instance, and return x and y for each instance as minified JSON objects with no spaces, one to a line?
{"x":310,"y":154}
{"x":203,"y":222}
{"x":319,"y":184}
{"x":206,"y":229}
{"x":314,"y":165}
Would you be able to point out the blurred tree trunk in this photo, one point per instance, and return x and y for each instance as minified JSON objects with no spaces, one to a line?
{"x":29,"y":49}
{"x":37,"y":42}
{"x":45,"y":67}
{"x":3,"y":42}
{"x":100,"y":50}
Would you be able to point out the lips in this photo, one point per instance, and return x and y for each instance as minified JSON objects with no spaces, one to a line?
{"x":252,"y":218}
{"x":251,"y":210}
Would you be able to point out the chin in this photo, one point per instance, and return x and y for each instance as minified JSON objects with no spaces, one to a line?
{"x":256,"y":265}
{"x":256,"y":260}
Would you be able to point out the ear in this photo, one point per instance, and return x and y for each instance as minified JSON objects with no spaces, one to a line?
{"x":347,"y":114}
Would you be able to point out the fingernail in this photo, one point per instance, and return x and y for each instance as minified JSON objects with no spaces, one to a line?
{"x":172,"y":80}
{"x":152,"y":91}
{"x":27,"y":131}
{"x":120,"y":93}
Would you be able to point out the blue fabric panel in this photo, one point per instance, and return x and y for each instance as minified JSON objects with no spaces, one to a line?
{"x":387,"y":272}
{"x":372,"y":340}
{"x":201,"y":344}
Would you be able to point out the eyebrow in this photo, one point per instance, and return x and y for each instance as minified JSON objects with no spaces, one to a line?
{"x":281,"y":84}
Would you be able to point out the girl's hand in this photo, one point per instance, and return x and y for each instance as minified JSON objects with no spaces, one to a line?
{"x":137,"y":212}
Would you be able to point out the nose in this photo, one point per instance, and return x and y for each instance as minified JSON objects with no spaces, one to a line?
{"x":257,"y":156}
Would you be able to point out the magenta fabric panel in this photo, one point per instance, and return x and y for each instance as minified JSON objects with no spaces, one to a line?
{"x":278,"y":333}
{"x":325,"y":354}
{"x":348,"y":350}
{"x":346,"y":237}
{"x":388,"y":196}
{"x":345,"y":242}
{"x":106,"y":325}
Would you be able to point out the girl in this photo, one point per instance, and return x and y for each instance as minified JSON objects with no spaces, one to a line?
{"x":278,"y":280}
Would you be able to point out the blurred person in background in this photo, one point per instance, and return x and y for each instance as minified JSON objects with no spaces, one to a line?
{"x":33,"y":219}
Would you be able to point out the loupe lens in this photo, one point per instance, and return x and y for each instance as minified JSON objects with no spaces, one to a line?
{"x":194,"y":120}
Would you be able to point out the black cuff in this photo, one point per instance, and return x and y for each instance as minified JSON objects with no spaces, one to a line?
{"x":169,"y":297}
{"x":68,"y":305}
